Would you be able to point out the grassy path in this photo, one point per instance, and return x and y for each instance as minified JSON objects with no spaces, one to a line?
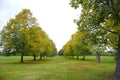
{"x":56,"y":68}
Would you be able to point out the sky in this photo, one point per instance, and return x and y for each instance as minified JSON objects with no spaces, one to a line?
{"x":54,"y":16}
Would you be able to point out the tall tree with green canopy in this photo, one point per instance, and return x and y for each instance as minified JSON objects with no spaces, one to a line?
{"x":15,"y":35}
{"x":102,"y":18}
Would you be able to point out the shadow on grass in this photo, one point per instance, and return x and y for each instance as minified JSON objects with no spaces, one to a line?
{"x":43,"y":61}
{"x":80,"y":59}
{"x":2,"y":78}
{"x":102,"y":60}
{"x":59,"y":59}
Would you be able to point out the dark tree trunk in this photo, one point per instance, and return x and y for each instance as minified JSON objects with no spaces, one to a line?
{"x":117,"y":69}
{"x":40,"y":57}
{"x":98,"y":57}
{"x":34,"y":57}
{"x":83,"y":57}
{"x":22,"y":57}
{"x":77,"y":57}
{"x":44,"y":57}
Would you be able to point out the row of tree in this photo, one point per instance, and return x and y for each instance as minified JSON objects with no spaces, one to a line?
{"x":22,"y":35}
{"x":101,"y":18}
{"x":77,"y":46}
{"x":80,"y":44}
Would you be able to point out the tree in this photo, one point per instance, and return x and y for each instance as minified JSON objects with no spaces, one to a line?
{"x":47,"y":47}
{"x":15,"y":35}
{"x":35,"y":40}
{"x":77,"y":45}
{"x":81,"y":45}
{"x":101,"y":17}
{"x":98,"y":50}
{"x":68,"y":49}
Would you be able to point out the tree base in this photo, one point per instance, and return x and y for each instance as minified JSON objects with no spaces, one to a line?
{"x":116,"y":76}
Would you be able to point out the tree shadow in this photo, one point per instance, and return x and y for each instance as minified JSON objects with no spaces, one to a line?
{"x":43,"y":61}
{"x":2,"y":78}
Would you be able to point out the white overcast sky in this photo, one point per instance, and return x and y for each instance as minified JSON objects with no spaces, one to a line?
{"x":54,"y":16}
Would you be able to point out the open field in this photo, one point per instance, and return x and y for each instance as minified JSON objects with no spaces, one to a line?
{"x":56,"y":68}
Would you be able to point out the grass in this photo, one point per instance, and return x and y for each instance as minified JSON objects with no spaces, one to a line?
{"x":56,"y":68}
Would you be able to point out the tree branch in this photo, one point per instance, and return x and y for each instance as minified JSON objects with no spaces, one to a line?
{"x":111,"y":31}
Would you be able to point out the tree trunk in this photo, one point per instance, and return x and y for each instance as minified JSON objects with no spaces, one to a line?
{"x":77,"y":57}
{"x":34,"y":57}
{"x":117,"y":69}
{"x":98,"y":57}
{"x":40,"y":57}
{"x":22,"y":57}
{"x":83,"y":57}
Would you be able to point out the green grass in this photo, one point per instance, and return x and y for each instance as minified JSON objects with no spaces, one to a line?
{"x":56,"y":68}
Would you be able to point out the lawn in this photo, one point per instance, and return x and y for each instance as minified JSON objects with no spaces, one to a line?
{"x":56,"y":68}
